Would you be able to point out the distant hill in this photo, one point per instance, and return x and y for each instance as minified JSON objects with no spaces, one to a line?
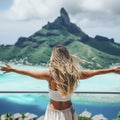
{"x":100,"y":51}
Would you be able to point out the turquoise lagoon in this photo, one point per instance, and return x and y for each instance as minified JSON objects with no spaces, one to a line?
{"x":106,"y":104}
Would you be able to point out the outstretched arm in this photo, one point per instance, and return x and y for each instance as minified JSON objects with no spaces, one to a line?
{"x":45,"y":75}
{"x":90,"y":73}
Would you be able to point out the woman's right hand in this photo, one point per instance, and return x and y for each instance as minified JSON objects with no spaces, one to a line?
{"x":116,"y":70}
{"x":6,"y":69}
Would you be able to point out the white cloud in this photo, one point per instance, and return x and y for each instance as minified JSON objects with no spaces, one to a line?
{"x":32,"y":9}
{"x":100,"y":10}
{"x":90,"y":15}
{"x":92,"y":5}
{"x":10,"y":31}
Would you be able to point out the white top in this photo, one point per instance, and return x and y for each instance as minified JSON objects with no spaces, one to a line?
{"x":56,"y":96}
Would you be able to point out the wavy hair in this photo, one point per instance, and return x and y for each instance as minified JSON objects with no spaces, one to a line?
{"x":65,"y":70}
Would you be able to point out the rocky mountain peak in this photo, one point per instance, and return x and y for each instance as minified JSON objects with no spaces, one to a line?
{"x":63,"y":22}
{"x":64,"y":16}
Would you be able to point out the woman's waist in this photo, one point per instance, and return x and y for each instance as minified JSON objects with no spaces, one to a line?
{"x":60,"y":105}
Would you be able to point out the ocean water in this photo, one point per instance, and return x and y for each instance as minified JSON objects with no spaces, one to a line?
{"x":106,"y":104}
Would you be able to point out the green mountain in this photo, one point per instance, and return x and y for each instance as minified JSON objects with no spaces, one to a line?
{"x":100,"y":52}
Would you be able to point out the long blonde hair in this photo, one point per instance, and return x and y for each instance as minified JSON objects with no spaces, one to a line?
{"x":65,"y":70}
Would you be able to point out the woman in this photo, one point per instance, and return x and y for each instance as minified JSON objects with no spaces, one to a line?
{"x":62,"y":78}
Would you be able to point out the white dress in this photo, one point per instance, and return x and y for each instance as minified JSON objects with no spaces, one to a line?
{"x":53,"y":114}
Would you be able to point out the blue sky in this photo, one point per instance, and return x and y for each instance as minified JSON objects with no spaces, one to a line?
{"x":5,"y":4}
{"x":24,"y":17}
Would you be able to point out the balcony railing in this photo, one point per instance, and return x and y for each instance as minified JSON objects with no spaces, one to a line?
{"x":83,"y":92}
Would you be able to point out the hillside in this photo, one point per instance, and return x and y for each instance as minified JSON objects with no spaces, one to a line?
{"x":100,"y":51}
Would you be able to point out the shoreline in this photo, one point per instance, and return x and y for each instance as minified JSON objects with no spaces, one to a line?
{"x":17,"y":63}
